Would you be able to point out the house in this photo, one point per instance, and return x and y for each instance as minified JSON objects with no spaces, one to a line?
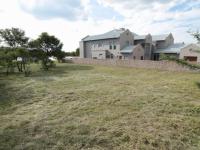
{"x":171,"y":50}
{"x":191,"y":53}
{"x":107,"y":45}
{"x":124,"y":44}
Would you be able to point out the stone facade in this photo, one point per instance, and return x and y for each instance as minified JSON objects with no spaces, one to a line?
{"x":191,"y":53}
{"x":138,"y":53}
{"x":110,"y":45}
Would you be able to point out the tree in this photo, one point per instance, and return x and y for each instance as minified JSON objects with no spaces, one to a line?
{"x":7,"y":59}
{"x":25,"y":58}
{"x":77,"y":52}
{"x":60,"y":55}
{"x":74,"y":53}
{"x":49,"y":45}
{"x":196,"y":35}
{"x":15,"y":40}
{"x":14,"y":37}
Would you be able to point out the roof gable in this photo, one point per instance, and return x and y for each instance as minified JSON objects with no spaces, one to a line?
{"x":160,"y":37}
{"x":175,"y":48}
{"x":140,"y":37}
{"x":113,"y":34}
{"x":194,"y":47}
{"x":130,"y":48}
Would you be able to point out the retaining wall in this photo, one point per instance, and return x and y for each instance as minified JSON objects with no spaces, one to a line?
{"x":148,"y":64}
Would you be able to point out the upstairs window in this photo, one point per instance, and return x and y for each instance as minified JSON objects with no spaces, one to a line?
{"x":115,"y":47}
{"x":99,"y":45}
{"x":110,"y":46}
{"x":127,"y":42}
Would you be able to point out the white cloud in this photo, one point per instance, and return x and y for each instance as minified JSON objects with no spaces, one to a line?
{"x":155,"y":17}
{"x":139,"y":16}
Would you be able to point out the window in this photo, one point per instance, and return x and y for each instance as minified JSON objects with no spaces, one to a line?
{"x":100,"y":54}
{"x":133,"y":57}
{"x":115,"y":47}
{"x":142,"y":57}
{"x":99,"y":44}
{"x":111,"y":56}
{"x":110,"y":46}
{"x":127,"y":42}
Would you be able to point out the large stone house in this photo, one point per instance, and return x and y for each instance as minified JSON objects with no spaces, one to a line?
{"x":124,"y":44}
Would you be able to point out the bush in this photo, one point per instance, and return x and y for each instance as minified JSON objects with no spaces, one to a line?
{"x":47,"y":63}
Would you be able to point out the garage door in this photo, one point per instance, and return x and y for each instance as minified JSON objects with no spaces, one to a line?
{"x":191,"y":58}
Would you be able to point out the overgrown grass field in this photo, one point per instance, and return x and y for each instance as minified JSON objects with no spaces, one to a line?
{"x":74,"y":107}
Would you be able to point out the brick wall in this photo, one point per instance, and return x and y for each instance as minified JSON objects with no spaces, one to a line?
{"x":160,"y":65}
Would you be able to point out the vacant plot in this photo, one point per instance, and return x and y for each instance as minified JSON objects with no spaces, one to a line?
{"x":94,"y":107}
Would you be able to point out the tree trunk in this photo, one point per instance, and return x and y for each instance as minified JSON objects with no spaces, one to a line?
{"x":18,"y":67}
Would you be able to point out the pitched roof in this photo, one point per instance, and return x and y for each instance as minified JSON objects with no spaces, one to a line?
{"x":140,"y":37}
{"x":159,"y":37}
{"x":134,"y":34}
{"x":128,"y":49}
{"x":108,"y":35}
{"x":195,"y":44}
{"x":175,"y":48}
{"x":194,"y":49}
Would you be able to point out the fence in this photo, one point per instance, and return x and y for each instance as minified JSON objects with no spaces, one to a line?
{"x":148,"y":64}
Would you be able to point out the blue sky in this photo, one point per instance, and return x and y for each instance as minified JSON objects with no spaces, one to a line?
{"x":71,"y":20}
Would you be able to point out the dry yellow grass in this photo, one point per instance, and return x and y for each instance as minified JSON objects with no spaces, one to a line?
{"x":96,"y":107}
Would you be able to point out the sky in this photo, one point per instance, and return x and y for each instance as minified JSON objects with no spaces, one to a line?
{"x":72,"y":20}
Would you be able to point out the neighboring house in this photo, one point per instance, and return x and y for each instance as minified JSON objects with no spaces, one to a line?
{"x":124,"y":44}
{"x":172,"y":50}
{"x":191,"y":53}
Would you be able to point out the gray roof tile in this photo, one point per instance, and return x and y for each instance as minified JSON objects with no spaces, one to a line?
{"x":175,"y":48}
{"x":108,"y":35}
{"x":140,"y":37}
{"x":128,"y":49}
{"x":159,"y":37}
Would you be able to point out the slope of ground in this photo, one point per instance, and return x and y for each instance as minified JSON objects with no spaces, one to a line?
{"x":94,"y":107}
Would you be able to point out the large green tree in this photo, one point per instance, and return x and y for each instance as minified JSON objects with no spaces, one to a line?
{"x":15,"y":41}
{"x":49,"y":45}
{"x":14,"y":37}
